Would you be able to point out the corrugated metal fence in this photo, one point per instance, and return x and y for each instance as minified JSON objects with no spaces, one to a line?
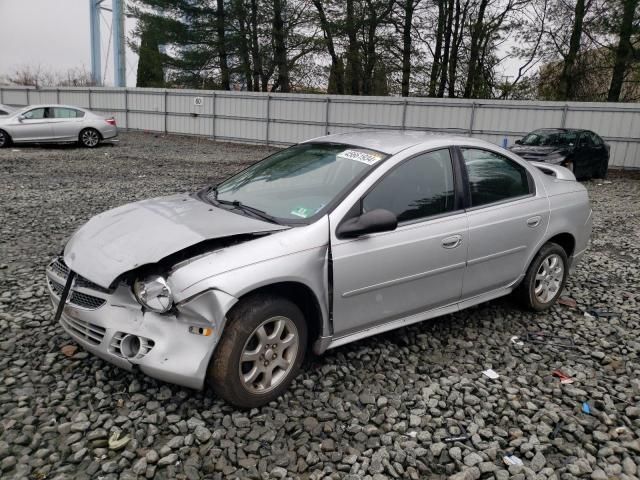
{"x":281,"y":119}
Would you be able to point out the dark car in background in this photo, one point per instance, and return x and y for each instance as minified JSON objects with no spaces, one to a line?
{"x":581,"y":151}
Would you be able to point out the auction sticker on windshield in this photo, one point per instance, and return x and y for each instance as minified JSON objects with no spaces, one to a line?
{"x":365,"y":157}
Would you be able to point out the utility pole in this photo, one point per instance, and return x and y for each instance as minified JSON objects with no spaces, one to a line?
{"x":119,"y":63}
{"x":96,"y":67}
{"x":117,"y":25}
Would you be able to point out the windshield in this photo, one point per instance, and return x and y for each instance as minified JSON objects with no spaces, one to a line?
{"x":548,"y":138}
{"x":299,"y":182}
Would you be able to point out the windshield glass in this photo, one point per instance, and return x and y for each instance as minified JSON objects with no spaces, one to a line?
{"x":548,"y":138}
{"x":298,"y":182}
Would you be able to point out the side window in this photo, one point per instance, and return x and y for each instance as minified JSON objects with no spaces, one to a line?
{"x":585,"y":140}
{"x":418,"y":188}
{"x":493,"y":178}
{"x":35,"y":114}
{"x":64,"y":113}
{"x":595,"y":139}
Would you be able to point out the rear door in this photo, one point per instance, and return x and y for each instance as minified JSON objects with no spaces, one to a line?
{"x":67,"y":123}
{"x":507,"y":221}
{"x":32,"y":126}
{"x":419,"y":266}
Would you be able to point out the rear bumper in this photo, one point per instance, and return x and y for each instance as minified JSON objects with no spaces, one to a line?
{"x":109,"y":132}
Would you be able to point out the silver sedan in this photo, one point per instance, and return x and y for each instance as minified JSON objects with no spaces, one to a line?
{"x":56,"y":124}
{"x":321,"y":244}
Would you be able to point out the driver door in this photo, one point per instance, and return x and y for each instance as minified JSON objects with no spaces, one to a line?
{"x":34,"y":125}
{"x":419,"y":266}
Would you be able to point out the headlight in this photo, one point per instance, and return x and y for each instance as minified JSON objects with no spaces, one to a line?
{"x":153,"y":293}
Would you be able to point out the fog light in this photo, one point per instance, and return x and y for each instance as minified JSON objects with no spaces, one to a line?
{"x":130,"y":346}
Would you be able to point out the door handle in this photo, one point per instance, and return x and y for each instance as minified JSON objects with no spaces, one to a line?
{"x":533,"y":222}
{"x":452,"y":241}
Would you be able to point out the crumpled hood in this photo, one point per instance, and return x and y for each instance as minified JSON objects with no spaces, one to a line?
{"x":145,"y":232}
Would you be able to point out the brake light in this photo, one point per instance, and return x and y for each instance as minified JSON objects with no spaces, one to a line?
{"x":111,"y":121}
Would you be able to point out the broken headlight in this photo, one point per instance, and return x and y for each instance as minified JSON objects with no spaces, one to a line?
{"x":153,"y":293}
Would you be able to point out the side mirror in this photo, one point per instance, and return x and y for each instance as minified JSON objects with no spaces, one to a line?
{"x":378,"y":220}
{"x":20,"y":118}
{"x":518,"y":142}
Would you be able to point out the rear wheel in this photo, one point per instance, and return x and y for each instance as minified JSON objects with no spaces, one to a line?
{"x":545,"y":278}
{"x":5,"y":139}
{"x":89,"y":138}
{"x":260,"y":352}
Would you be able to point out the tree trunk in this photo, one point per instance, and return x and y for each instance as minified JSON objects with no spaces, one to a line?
{"x":353,"y":56}
{"x":243,"y":44}
{"x":280,"y":46}
{"x":455,"y":47}
{"x":255,"y":47}
{"x":336,"y":64}
{"x":406,"y":46}
{"x":435,"y":68}
{"x":222,"y":47}
{"x":566,"y":77}
{"x":474,"y":50}
{"x":447,"y":45}
{"x":623,"y":51}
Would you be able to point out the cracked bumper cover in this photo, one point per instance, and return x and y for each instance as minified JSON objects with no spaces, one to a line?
{"x":176,"y":355}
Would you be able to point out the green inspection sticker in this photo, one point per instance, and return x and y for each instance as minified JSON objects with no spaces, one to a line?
{"x":303,"y":212}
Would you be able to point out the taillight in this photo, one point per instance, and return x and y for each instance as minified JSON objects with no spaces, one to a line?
{"x":111,"y":121}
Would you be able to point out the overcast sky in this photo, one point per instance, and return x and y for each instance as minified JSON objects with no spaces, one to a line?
{"x":55,"y":35}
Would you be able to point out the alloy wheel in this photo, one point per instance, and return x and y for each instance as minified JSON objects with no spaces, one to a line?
{"x":90,"y":138}
{"x":3,"y":139}
{"x":269,"y":354}
{"x":549,"y":278}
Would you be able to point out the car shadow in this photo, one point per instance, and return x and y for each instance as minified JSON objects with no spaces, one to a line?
{"x":57,"y":146}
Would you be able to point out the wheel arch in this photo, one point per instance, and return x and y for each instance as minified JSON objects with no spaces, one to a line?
{"x":89,"y":128}
{"x":566,"y":240}
{"x":303,"y":297}
{"x":7,"y":134}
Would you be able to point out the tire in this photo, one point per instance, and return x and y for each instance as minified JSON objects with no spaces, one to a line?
{"x":246,"y":384}
{"x":5,"y":139}
{"x":543,"y":282}
{"x":89,"y":138}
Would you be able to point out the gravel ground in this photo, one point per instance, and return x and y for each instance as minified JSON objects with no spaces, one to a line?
{"x":379,"y":408}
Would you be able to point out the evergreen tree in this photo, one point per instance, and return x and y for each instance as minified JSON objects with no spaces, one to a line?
{"x":150,"y":62}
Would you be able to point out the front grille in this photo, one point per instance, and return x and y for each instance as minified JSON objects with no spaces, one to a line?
{"x":146,"y":344}
{"x":78,"y":298}
{"x":87,"y":331}
{"x":60,"y":268}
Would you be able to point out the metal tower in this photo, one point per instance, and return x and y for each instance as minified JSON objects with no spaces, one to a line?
{"x":117,"y":25}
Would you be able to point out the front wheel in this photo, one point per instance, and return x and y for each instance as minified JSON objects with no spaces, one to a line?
{"x":260,"y":352}
{"x":89,"y":138}
{"x":545,"y":278}
{"x":5,"y":140}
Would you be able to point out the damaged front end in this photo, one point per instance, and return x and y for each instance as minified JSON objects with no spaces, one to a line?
{"x":173,"y":346}
{"x":112,"y":288}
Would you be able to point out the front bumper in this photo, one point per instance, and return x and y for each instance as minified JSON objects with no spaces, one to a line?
{"x":172,"y":346}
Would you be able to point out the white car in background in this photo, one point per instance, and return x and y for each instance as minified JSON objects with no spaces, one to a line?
{"x":55,"y":124}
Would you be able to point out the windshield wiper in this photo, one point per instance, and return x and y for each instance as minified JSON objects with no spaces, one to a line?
{"x":252,"y":210}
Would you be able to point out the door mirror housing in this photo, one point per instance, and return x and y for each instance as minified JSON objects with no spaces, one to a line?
{"x":20,"y":118}
{"x":378,"y":220}
{"x":518,"y":142}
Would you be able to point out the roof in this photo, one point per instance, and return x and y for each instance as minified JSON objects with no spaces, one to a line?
{"x":386,"y":142}
{"x":51,"y":105}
